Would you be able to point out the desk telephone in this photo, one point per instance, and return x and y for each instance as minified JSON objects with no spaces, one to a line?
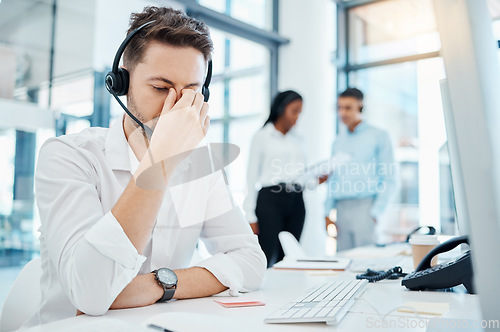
{"x":450,"y":274}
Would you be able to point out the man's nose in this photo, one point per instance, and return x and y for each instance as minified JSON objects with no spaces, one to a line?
{"x":179,"y":94}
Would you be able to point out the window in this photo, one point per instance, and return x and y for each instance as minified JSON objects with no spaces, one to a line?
{"x":43,"y":72}
{"x":404,"y":99}
{"x":494,"y":6}
{"x":392,"y":50}
{"x":392,"y":29}
{"x":241,"y":69}
{"x":254,"y":12}
{"x":25,"y":69}
{"x":245,"y":75}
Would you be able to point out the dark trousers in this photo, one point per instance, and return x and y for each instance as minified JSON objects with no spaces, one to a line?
{"x":278,"y":210}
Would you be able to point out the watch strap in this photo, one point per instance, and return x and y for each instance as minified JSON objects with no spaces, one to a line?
{"x":168,"y":293}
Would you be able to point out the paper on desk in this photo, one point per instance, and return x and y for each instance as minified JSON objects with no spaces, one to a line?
{"x":313,"y":264}
{"x":322,"y":273}
{"x":379,"y":252}
{"x":425,"y":308}
{"x":240,"y":304}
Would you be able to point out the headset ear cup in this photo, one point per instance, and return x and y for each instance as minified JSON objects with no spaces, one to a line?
{"x":123,"y":79}
{"x":206,"y":93}
{"x":109,"y":81}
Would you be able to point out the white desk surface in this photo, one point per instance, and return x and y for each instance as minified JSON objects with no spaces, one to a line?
{"x":284,"y":285}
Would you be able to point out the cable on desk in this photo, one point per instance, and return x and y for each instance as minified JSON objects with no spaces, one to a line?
{"x":374,"y":276}
{"x":414,"y":311}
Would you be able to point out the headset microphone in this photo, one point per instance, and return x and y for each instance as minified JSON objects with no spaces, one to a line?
{"x":118,"y":79}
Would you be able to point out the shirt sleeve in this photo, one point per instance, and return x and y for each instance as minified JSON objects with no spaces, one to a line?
{"x":237,"y":260}
{"x":253,"y":171}
{"x":88,"y":248}
{"x":386,"y":170}
{"x":310,"y":183}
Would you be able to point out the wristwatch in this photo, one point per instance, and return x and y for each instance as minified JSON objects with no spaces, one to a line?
{"x":167,"y":279}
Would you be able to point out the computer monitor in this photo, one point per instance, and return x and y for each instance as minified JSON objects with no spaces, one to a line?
{"x":469,"y":52}
{"x":461,"y":209}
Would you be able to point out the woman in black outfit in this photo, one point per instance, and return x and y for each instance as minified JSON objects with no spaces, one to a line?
{"x":274,"y":201}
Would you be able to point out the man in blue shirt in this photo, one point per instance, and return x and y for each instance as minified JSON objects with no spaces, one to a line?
{"x":361,"y":188}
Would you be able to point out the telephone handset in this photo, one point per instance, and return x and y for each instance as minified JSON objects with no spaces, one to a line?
{"x":446,"y":275}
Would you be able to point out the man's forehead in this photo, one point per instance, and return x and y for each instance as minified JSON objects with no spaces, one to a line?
{"x":348,"y":99}
{"x":175,"y":72}
{"x":155,"y":51}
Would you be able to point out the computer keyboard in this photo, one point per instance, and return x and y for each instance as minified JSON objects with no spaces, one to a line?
{"x":327,"y":303}
{"x":376,"y":264}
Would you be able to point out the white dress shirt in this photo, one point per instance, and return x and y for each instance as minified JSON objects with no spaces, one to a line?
{"x":87,"y":259}
{"x":274,"y":158}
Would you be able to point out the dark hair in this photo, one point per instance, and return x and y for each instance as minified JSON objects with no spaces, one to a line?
{"x":353,"y":92}
{"x":280,"y":102}
{"x":171,"y":27}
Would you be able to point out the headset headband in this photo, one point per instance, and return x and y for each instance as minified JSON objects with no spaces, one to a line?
{"x":121,"y":49}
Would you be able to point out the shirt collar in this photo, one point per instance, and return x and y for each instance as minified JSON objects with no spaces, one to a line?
{"x":117,"y":148}
{"x":360,"y":127}
{"x":134,"y":162}
{"x":275,"y":132}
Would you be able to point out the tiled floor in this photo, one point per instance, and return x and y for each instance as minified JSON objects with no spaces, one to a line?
{"x":7,"y":277}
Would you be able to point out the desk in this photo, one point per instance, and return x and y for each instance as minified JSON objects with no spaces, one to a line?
{"x":283,"y":285}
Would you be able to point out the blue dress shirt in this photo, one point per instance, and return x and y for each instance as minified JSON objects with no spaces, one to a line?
{"x":370,"y":171}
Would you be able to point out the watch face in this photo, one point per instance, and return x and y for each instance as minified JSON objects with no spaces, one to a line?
{"x":167,"y":277}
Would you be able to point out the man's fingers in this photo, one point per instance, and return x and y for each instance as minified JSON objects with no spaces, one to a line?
{"x":204,"y":118}
{"x":206,"y":125}
{"x":170,"y":100}
{"x":186,"y":100}
{"x":198,"y":103}
{"x":203,"y":113}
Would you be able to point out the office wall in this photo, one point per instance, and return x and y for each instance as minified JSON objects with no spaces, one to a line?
{"x":111,"y":24}
{"x":306,"y":65}
{"x":25,"y":28}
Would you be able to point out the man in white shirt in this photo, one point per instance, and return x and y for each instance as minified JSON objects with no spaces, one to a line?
{"x":103,"y":232}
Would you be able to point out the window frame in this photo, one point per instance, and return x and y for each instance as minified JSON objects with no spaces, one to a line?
{"x":269,"y":39}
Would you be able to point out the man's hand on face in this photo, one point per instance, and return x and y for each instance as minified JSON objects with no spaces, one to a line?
{"x":180,"y":128}
{"x":182,"y":124}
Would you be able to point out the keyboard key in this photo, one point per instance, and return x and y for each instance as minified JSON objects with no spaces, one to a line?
{"x":312,"y":313}
{"x":290,"y":313}
{"x":334,"y":312}
{"x":332,"y":303}
{"x":334,"y":286}
{"x":316,"y":293}
{"x":324,"y":312}
{"x":288,"y":305}
{"x":301,"y":313}
{"x":337,"y":290}
{"x":279,"y":314}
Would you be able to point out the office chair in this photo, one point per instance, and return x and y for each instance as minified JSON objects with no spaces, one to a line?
{"x":24,"y":297}
{"x":291,"y":247}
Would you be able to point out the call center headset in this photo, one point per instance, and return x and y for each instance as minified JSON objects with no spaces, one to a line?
{"x":117,"y":80}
